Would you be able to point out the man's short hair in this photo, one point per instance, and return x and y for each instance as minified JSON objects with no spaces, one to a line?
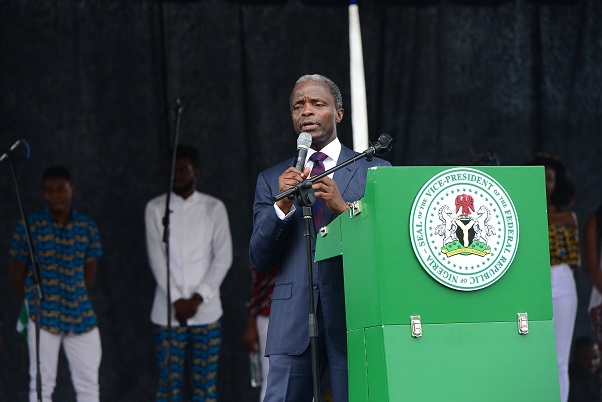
{"x":334,"y":89}
{"x":56,"y":171}
{"x":190,"y":153}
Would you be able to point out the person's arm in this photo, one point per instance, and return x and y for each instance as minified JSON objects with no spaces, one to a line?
{"x":575,"y":224}
{"x":93,"y":253}
{"x":17,"y":272}
{"x":187,"y":308}
{"x":270,"y":233}
{"x":221,"y":249}
{"x":327,"y":189}
{"x":258,"y":295}
{"x":251,"y":337}
{"x":156,"y":250}
{"x":89,"y":273}
{"x":289,"y":178}
{"x":18,"y":263}
{"x":591,"y":252}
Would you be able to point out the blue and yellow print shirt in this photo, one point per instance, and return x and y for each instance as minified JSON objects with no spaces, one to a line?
{"x":564,"y":244}
{"x":62,"y":251}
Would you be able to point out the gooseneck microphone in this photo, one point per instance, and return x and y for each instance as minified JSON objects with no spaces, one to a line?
{"x":303,"y":144}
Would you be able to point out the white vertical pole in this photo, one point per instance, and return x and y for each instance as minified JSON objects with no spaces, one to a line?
{"x":359,"y":110}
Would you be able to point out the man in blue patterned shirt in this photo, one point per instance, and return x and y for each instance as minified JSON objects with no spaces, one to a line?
{"x":67,"y":247}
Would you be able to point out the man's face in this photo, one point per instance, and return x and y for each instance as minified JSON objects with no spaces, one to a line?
{"x":184,"y":176}
{"x":57,"y":194}
{"x":313,"y":111}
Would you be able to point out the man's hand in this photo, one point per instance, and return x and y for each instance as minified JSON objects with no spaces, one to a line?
{"x":17,"y":273}
{"x":251,"y":338}
{"x":327,"y":189}
{"x":289,"y":178}
{"x":187,"y":308}
{"x":89,"y":272}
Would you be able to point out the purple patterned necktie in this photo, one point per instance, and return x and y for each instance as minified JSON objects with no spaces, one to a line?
{"x":317,"y":210}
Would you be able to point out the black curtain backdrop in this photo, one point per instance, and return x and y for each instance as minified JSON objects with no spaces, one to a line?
{"x":92,"y":85}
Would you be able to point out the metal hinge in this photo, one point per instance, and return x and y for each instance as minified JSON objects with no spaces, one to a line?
{"x":416,"y":326}
{"x":523,"y":323}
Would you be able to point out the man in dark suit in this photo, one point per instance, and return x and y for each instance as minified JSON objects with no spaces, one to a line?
{"x":277,"y":240}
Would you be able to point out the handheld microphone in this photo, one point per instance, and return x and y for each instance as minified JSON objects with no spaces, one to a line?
{"x":303,"y":144}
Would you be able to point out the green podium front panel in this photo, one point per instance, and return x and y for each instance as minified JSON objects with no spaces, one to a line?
{"x":473,"y":362}
{"x":470,"y":349}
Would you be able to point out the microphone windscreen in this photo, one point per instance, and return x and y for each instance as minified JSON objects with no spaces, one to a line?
{"x":385,"y":144}
{"x":304,"y":140}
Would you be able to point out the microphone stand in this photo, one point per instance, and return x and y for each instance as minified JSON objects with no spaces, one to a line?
{"x":314,"y":330}
{"x":166,"y":241}
{"x":34,"y":261}
{"x":304,"y":196}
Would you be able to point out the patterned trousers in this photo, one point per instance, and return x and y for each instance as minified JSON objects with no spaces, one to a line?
{"x":201,"y":344}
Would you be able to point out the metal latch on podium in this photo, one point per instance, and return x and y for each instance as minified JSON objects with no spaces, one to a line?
{"x":416,"y":326}
{"x":523,"y":323}
{"x":354,"y":208}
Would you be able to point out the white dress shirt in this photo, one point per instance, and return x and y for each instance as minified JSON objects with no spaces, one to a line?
{"x":332,"y":150}
{"x":200,"y":254}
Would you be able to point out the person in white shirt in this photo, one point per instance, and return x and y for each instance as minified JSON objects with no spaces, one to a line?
{"x":200,"y":252}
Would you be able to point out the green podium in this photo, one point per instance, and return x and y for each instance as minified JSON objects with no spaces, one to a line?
{"x":447,"y":286}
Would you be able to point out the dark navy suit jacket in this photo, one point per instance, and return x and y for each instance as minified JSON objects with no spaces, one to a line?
{"x":277,"y":242}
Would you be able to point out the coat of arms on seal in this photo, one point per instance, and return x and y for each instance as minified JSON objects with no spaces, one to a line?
{"x":467,"y":232}
{"x":464,"y":229}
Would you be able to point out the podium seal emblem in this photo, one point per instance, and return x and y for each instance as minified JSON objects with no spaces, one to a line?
{"x":464,"y":229}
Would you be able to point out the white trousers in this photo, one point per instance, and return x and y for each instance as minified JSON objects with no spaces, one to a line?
{"x":262,"y":332}
{"x":83,"y":352}
{"x":564,"y":304}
